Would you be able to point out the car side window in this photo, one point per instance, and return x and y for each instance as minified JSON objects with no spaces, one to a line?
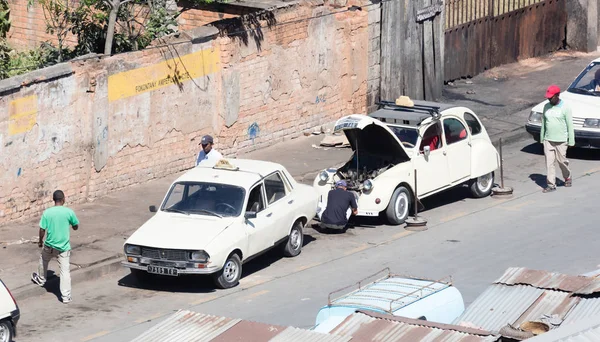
{"x":256,"y":201}
{"x":473,"y":123}
{"x":454,"y":131}
{"x":432,"y":137}
{"x":274,"y":188}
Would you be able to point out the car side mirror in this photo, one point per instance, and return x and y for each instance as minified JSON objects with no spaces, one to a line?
{"x":426,"y":151}
{"x":152,"y":208}
{"x":250,"y":214}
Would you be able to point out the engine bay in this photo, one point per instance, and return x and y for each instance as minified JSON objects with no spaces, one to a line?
{"x":356,"y":172}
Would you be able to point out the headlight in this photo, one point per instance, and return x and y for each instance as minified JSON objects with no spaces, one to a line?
{"x":199,"y":256}
{"x":367,"y":185}
{"x":591,"y":123}
{"x":535,"y":117}
{"x":324,"y":176}
{"x":133,"y":250}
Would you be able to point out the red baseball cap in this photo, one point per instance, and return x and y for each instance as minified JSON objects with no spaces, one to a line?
{"x":552,"y":90}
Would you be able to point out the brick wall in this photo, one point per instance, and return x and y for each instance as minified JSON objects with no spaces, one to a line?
{"x":193,"y":15}
{"x":117,"y":121}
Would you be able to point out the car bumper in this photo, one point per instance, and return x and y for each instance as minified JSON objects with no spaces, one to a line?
{"x":180,"y":269}
{"x":583,"y":139}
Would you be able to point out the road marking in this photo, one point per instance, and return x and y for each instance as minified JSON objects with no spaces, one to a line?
{"x":592,"y":171}
{"x":255,"y":294}
{"x":205,"y":299}
{"x":254,"y":281}
{"x":400,"y":235}
{"x":358,"y":249}
{"x":517,"y":207}
{"x":156,"y":315}
{"x":96,"y":335}
{"x":305,"y":267}
{"x":453,"y":217}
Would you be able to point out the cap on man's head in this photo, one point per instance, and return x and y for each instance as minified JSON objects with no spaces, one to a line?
{"x":341,"y":183}
{"x":207,"y":139}
{"x":552,"y":90}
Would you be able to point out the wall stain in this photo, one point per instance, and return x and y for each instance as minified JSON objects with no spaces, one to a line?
{"x":253,"y":131}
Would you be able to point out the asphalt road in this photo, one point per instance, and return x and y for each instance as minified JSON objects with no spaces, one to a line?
{"x":474,"y":241}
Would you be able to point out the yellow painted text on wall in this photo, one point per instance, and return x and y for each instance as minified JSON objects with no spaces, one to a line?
{"x":22,"y":114}
{"x":163,"y":74}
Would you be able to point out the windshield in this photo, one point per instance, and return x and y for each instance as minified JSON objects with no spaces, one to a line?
{"x":588,"y":82}
{"x":407,"y":135}
{"x":220,"y":200}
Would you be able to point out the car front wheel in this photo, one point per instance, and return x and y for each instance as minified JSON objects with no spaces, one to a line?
{"x":293,"y":246}
{"x":397,"y":210}
{"x":6,"y":331}
{"x":229,"y":276}
{"x":482,"y":185}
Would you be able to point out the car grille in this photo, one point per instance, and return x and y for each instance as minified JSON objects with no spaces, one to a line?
{"x":578,"y":122}
{"x":165,"y":254}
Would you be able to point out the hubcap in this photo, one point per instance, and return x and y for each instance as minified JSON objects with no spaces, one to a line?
{"x":401,"y":206}
{"x":3,"y":333}
{"x":295,"y":239}
{"x":230,"y":271}
{"x":484,"y":182}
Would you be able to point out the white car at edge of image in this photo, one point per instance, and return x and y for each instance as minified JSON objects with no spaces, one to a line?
{"x":584,"y":100}
{"x":214,"y":218}
{"x":9,"y":314}
{"x":447,"y":145}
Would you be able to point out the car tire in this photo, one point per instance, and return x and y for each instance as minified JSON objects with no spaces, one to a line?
{"x":399,"y":206}
{"x":229,"y":276}
{"x":293,"y":244}
{"x":482,"y":185}
{"x":6,"y":331}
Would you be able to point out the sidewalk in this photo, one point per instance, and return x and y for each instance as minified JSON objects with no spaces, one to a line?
{"x":502,"y":97}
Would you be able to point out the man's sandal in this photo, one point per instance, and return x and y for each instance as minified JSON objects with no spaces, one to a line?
{"x":568,"y":182}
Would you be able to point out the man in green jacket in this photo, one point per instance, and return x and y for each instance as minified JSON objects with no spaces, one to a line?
{"x":557,"y":134}
{"x":55,"y":224}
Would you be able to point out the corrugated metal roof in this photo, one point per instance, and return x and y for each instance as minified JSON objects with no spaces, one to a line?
{"x":549,"y":303}
{"x":367,"y":326}
{"x":587,"y":307}
{"x":497,"y":306}
{"x":586,"y":330}
{"x":391,"y":294}
{"x":189,"y":326}
{"x":292,"y":334}
{"x":550,"y":280}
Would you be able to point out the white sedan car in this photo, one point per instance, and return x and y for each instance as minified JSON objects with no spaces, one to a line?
{"x":215,"y":218}
{"x":447,"y":145}
{"x":583,"y":97}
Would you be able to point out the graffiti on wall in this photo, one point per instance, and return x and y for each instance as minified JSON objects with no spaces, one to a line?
{"x":163,"y":74}
{"x":22,"y":114}
{"x":320,"y":99}
{"x":253,"y":131}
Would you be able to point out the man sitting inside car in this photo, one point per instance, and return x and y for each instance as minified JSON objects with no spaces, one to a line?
{"x":339,"y":202}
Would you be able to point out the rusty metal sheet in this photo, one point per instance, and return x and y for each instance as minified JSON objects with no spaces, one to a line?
{"x":248,"y":331}
{"x":550,"y":280}
{"x":500,"y":35}
{"x":370,"y":326}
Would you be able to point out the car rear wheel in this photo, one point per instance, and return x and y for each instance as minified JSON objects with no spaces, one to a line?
{"x":6,"y":331}
{"x":229,"y":276}
{"x":397,"y":210}
{"x":293,"y":246}
{"x":482,"y":185}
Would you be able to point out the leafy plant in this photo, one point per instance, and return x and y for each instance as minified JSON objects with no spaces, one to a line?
{"x":4,"y":18}
{"x":13,"y":63}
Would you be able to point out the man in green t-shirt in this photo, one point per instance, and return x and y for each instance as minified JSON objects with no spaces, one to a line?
{"x":556,"y":135}
{"x":55,"y":224}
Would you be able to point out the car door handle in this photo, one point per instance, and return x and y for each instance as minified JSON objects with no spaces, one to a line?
{"x":269,"y":214}
{"x":290,"y":201}
{"x":444,"y":152}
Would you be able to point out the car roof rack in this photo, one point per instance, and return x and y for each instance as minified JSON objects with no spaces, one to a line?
{"x":434,"y":111}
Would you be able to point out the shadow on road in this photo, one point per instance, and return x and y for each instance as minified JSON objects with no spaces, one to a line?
{"x":572,"y":153}
{"x":200,"y":283}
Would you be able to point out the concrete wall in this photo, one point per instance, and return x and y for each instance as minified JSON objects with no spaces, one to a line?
{"x":92,"y":127}
{"x":582,"y":25}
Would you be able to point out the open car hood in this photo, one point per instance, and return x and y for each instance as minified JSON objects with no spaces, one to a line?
{"x":371,"y":135}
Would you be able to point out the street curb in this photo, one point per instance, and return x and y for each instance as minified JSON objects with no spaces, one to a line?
{"x":93,"y":271}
